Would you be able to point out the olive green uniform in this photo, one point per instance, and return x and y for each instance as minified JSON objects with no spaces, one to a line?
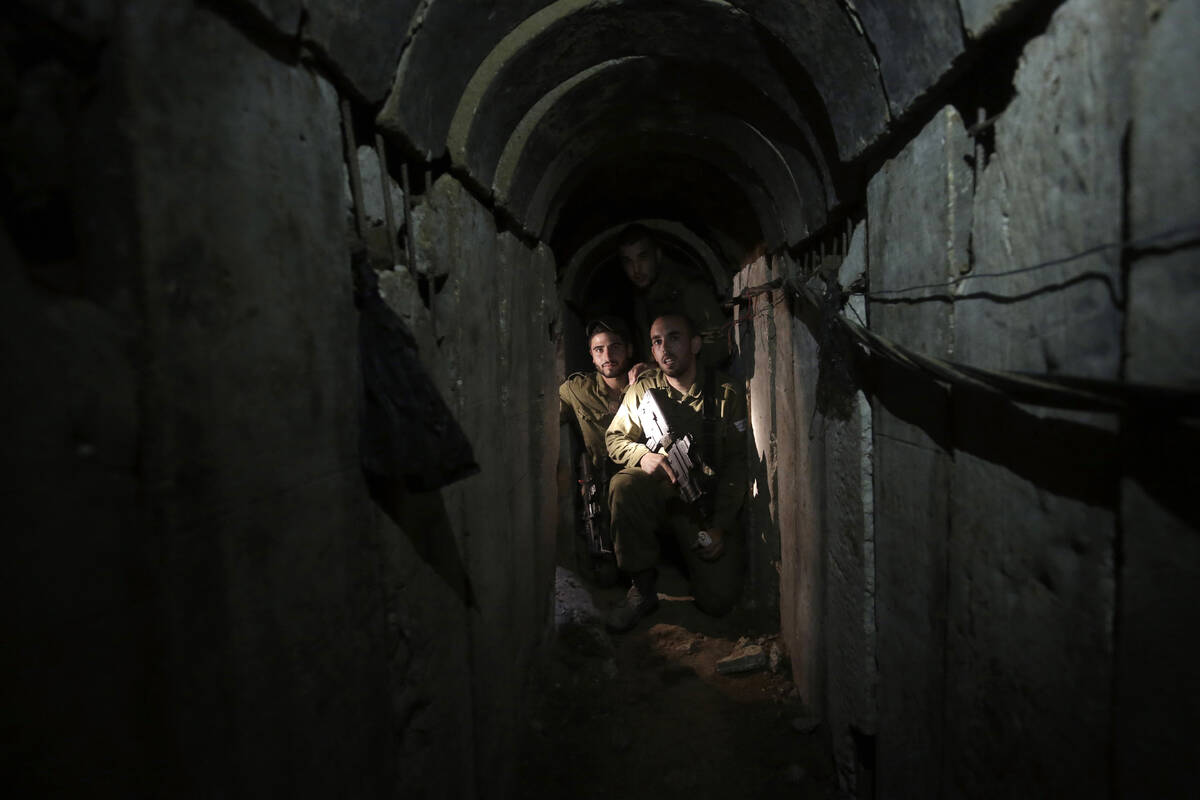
{"x":672,"y":290}
{"x":640,"y":504}
{"x":585,"y":395}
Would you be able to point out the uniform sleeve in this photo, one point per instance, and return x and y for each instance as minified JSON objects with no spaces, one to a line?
{"x":565,"y":412}
{"x":624,"y":434}
{"x":731,"y":472}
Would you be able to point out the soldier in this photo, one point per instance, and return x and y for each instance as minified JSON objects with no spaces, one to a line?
{"x":593,"y":398}
{"x":661,"y":286}
{"x":643,"y":496}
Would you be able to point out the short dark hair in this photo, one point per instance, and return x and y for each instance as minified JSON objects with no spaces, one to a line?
{"x":683,"y":315}
{"x":632,"y":234}
{"x":613,"y":325}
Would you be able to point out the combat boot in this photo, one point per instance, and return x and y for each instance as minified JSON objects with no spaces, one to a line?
{"x":640,"y":600}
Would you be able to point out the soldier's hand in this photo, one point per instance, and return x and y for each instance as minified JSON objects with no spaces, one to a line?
{"x":637,"y":369}
{"x":654,"y":464}
{"x":717,"y":548}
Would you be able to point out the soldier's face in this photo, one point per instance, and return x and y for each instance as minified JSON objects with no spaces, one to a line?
{"x":672,"y":345}
{"x":609,"y":354}
{"x":640,"y":262}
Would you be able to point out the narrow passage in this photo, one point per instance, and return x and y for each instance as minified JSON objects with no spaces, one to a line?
{"x":647,"y":714}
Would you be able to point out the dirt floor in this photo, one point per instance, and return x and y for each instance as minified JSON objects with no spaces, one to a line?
{"x":646,"y":714}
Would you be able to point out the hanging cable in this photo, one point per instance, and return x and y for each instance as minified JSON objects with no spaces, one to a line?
{"x":1191,"y":230}
{"x":1052,"y":391}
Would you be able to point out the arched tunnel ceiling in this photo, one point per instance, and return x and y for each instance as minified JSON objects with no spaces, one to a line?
{"x":745,"y":159}
{"x":777,"y":96}
{"x":647,"y":94}
{"x":629,"y":181}
{"x":555,"y":45}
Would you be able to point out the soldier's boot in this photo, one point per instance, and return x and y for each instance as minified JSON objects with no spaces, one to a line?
{"x":640,"y":600}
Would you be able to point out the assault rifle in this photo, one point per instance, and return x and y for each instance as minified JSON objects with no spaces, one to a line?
{"x":599,"y":540}
{"x":667,"y":439}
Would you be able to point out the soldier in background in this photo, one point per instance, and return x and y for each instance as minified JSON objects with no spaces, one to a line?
{"x":661,"y":286}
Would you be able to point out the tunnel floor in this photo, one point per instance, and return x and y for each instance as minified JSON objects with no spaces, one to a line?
{"x":647,"y":715}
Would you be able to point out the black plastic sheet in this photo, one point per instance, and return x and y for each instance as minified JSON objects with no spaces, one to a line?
{"x":407,"y":432}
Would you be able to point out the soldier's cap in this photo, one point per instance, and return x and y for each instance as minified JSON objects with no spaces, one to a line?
{"x":614,"y":325}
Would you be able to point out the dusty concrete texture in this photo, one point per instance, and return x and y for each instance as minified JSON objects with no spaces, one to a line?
{"x":236,"y":615}
{"x":495,"y":313}
{"x":982,"y":16}
{"x":849,"y":528}
{"x":431,"y":75}
{"x":267,"y":588}
{"x":484,"y":337}
{"x":1161,"y":335}
{"x":918,"y":220}
{"x":1157,"y":687}
{"x":907,"y":68}
{"x":1052,"y":187}
{"x":375,"y":205}
{"x":784,"y":513}
{"x":360,"y":40}
{"x":798,"y":451}
{"x":829,"y":44}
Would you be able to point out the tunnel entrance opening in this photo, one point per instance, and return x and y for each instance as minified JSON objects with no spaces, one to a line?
{"x":658,"y":701}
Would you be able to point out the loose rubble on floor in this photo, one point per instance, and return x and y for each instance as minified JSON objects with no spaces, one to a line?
{"x":682,"y":706}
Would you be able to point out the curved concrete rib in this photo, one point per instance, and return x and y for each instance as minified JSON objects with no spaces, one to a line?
{"x":622,"y":93}
{"x":743,"y":158}
{"x":552,"y":196}
{"x":572,"y":36}
{"x":514,"y":148}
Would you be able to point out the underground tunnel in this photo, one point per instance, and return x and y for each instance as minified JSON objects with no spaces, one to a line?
{"x":291,"y":287}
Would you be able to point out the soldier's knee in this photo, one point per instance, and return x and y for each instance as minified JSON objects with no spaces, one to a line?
{"x":626,"y":483}
{"x":618,"y":489}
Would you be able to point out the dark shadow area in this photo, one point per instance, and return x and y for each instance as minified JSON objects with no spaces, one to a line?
{"x":1068,"y":458}
{"x":410,"y":444}
{"x":837,"y":375}
{"x":910,"y":397}
{"x":648,"y":714}
{"x":635,"y":178}
{"x":1159,"y":453}
{"x":422,"y":517}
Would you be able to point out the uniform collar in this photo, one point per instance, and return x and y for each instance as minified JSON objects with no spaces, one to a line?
{"x":697,"y":387}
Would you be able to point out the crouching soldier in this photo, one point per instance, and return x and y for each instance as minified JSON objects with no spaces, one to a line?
{"x":592,"y":398}
{"x":703,"y":460}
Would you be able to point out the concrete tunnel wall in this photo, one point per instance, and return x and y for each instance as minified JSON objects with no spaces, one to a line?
{"x":208,"y":600}
{"x":987,"y":599}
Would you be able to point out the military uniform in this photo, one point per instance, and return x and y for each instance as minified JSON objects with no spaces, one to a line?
{"x":585,"y":394}
{"x":672,"y":290}
{"x":640,"y":504}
